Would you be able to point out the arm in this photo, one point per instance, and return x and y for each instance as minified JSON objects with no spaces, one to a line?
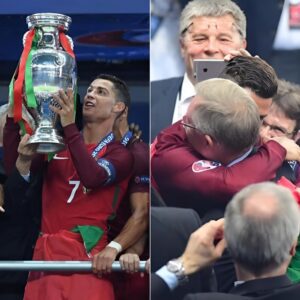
{"x":130,"y":259}
{"x":174,"y":161}
{"x":90,"y":172}
{"x":159,"y":289}
{"x":16,"y":185}
{"x":133,"y":230}
{"x":137,"y":223}
{"x":168,"y":170}
{"x":11,"y":139}
{"x":204,"y":247}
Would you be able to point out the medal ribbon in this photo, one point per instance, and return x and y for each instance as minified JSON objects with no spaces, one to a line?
{"x":105,"y":141}
{"x":65,"y":43}
{"x":126,"y":138}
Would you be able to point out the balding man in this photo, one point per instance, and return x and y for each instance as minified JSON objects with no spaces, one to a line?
{"x":262,"y":223}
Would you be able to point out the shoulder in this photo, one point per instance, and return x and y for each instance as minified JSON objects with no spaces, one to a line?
{"x":118,"y":152}
{"x":139,"y":149}
{"x":172,"y":141}
{"x":166,"y":82}
{"x":166,"y":86}
{"x":173,"y":133}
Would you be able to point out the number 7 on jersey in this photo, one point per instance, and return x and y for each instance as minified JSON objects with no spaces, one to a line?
{"x":76,"y":184}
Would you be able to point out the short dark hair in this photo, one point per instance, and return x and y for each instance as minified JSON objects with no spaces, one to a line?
{"x":120,"y":87}
{"x":287,"y":100}
{"x":253,"y":73}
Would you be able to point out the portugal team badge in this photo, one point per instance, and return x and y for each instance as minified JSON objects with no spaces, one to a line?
{"x":204,"y":165}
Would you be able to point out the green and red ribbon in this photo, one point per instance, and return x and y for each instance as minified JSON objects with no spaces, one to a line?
{"x":23,"y":76}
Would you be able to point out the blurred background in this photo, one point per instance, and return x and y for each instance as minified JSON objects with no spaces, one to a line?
{"x":109,"y":37}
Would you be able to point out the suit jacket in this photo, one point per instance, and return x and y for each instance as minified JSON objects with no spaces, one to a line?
{"x":279,"y":287}
{"x":262,"y":22}
{"x":170,"y":231}
{"x":163,"y":99}
{"x":19,"y":228}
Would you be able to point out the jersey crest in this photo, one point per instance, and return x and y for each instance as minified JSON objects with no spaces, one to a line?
{"x":204,"y":165}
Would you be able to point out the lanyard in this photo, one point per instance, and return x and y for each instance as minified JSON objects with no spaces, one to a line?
{"x":126,"y":138}
{"x":105,"y":141}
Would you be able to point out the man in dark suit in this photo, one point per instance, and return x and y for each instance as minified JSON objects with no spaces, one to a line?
{"x":20,"y":223}
{"x":170,"y":231}
{"x":209,"y":29}
{"x":262,"y":223}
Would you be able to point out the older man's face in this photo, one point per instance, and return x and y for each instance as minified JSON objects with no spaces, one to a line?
{"x":276,"y":123}
{"x":209,"y":38}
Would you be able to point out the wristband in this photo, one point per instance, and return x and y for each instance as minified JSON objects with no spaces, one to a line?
{"x":115,"y":245}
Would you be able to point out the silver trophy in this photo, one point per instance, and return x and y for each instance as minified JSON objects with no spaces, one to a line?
{"x":52,"y":69}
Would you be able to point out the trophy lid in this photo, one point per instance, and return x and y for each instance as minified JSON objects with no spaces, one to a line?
{"x":49,"y":19}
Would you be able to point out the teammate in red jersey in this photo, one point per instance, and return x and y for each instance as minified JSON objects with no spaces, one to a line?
{"x":129,"y":228}
{"x":202,"y":161}
{"x":83,"y":186}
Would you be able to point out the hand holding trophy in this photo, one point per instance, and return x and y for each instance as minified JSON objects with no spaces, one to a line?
{"x":47,"y":65}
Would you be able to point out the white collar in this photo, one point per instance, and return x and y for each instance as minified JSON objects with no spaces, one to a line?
{"x":242,"y":157}
{"x":187,"y":89}
{"x":238,"y":282}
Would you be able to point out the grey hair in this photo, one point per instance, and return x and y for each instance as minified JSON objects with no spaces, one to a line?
{"x":227,"y":114}
{"x":212,"y":8}
{"x":257,"y":242}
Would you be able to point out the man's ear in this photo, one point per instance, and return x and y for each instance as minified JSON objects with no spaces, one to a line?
{"x":209,"y":140}
{"x":182,"y":46}
{"x":244,"y":44}
{"x":119,"y":107}
{"x":125,"y":112}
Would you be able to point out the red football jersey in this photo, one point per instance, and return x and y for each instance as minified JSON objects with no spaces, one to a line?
{"x":67,"y":202}
{"x":139,"y":182}
{"x":187,"y":179}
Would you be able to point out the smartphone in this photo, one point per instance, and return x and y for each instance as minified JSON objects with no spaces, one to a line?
{"x":208,"y":68}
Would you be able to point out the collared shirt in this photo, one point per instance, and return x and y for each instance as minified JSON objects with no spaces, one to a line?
{"x":238,"y":282}
{"x":26,"y":177}
{"x":168,"y":277}
{"x":183,"y":99}
{"x":242,"y":157}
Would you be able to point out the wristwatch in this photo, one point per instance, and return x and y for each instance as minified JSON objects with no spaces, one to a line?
{"x":176,"y":267}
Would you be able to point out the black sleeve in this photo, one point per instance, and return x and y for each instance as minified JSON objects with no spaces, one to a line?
{"x":159,"y":289}
{"x":22,"y":197}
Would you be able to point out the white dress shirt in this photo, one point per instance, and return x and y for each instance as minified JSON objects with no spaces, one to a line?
{"x":183,"y":99}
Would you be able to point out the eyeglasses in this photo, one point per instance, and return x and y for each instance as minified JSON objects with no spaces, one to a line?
{"x":277,"y":129}
{"x":191,"y":126}
{"x":188,"y":125}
